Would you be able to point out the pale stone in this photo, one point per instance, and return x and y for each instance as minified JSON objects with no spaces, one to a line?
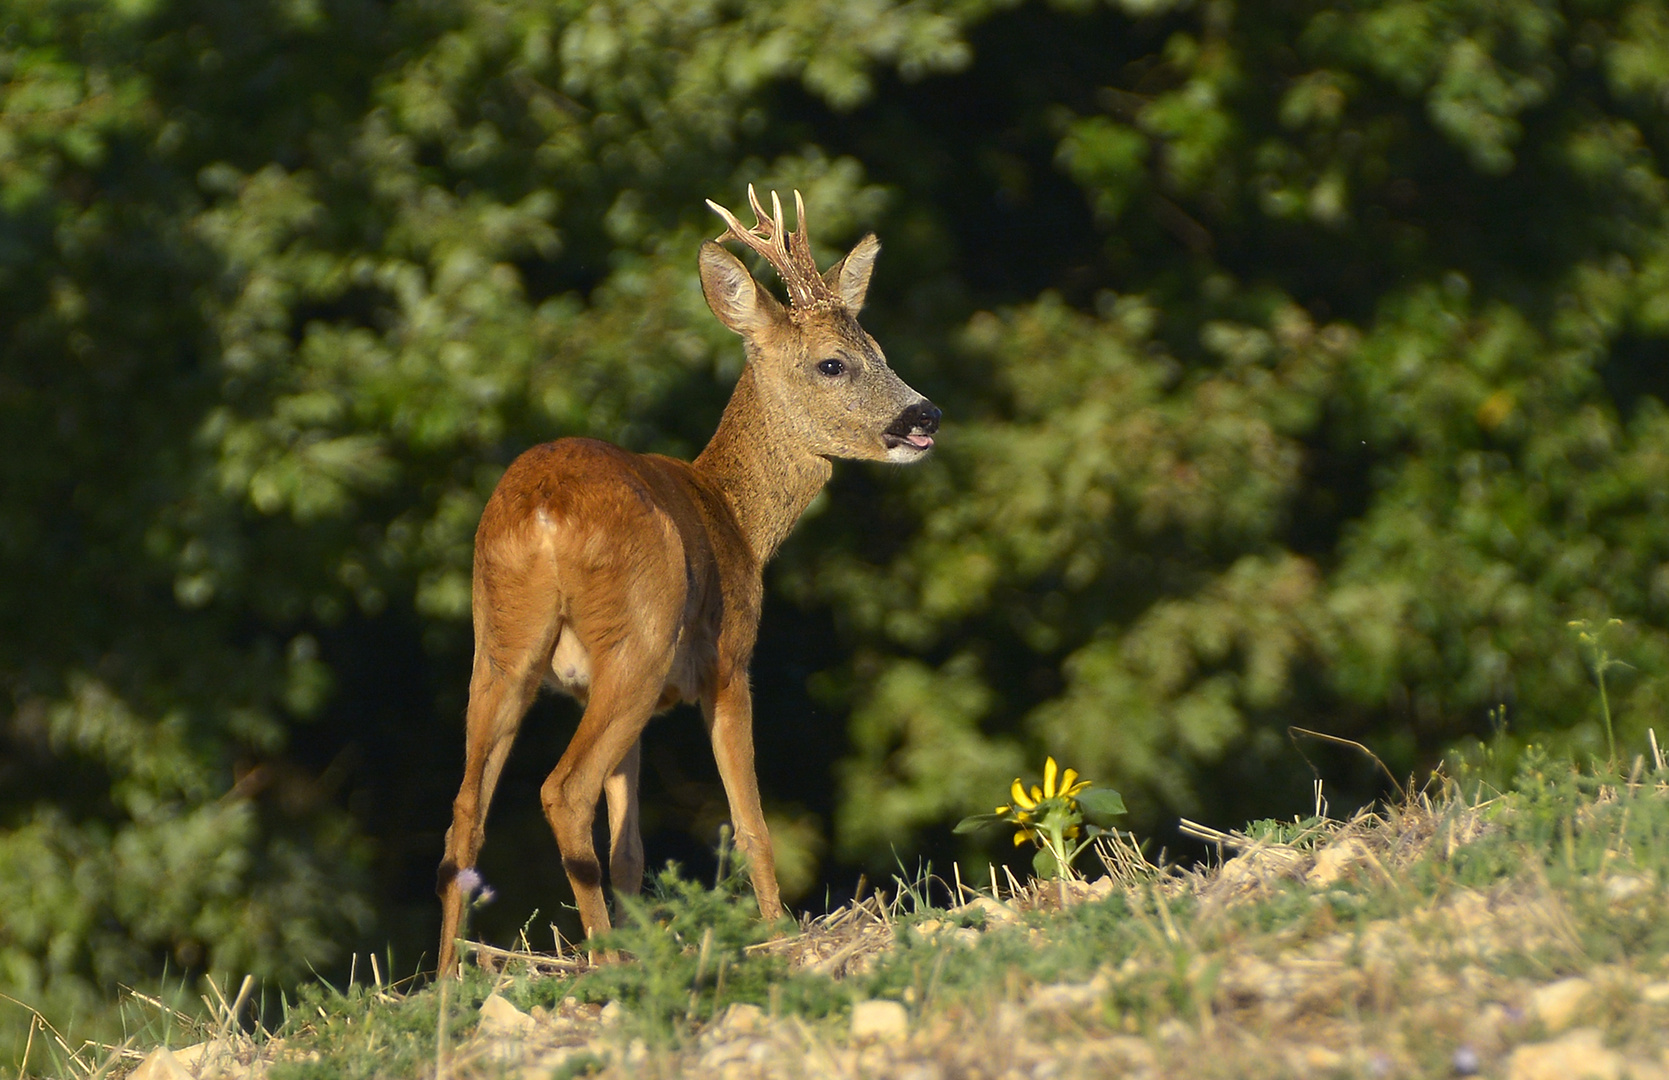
{"x":612,"y":1014}
{"x":1644,"y":1069}
{"x":741,"y":1019}
{"x":927,"y":928}
{"x":160,"y":1065}
{"x":1066,"y":997}
{"x":724,"y":1053}
{"x":1623,"y":886}
{"x":921,"y":1070}
{"x":880,"y":1021}
{"x":546,"y":1063}
{"x":192,"y":1056}
{"x":499,"y":1017}
{"x":1322,"y":1058}
{"x":1655,"y":993}
{"x":1256,"y":867}
{"x":1335,"y":861}
{"x":1577,"y":1055}
{"x":1557,"y":1004}
{"x":995,"y":911}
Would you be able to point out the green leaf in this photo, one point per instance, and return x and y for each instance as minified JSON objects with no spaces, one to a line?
{"x":1044,"y":864}
{"x":1100,"y":805}
{"x":975,"y":822}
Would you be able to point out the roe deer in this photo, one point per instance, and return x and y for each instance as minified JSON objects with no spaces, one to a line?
{"x":634,"y":581}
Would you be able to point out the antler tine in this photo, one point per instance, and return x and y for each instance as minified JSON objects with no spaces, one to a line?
{"x":802,"y":236}
{"x":788,"y":253}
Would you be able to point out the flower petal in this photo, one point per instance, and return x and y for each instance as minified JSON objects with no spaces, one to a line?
{"x":1049,"y":778}
{"x":1037,"y":795}
{"x":1001,"y":810}
{"x":1068,"y":777}
{"x":1020,"y":796}
{"x":1020,"y":837}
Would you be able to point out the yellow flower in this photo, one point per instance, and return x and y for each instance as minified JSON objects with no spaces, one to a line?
{"x":1068,"y":785}
{"x":1021,"y":799}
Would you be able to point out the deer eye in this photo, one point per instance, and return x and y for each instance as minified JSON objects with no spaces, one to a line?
{"x":831,"y":368}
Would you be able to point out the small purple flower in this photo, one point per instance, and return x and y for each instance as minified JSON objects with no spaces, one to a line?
{"x":468,"y":882}
{"x":1466,"y":1061}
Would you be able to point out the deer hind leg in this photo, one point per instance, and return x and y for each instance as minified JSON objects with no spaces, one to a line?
{"x":624,"y":693}
{"x":625,"y":835}
{"x":510,"y":661}
{"x":729,"y":715}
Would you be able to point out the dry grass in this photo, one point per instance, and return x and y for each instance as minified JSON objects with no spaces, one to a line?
{"x":1440,"y":936}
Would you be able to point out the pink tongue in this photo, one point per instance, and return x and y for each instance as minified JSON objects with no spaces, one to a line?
{"x":923,"y":441}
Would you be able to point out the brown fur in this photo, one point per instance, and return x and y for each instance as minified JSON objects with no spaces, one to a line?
{"x":634,"y":581}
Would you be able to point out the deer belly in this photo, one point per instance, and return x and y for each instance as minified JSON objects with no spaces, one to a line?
{"x":571,"y":664}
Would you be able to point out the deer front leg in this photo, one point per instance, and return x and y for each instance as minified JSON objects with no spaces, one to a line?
{"x":729,"y":714}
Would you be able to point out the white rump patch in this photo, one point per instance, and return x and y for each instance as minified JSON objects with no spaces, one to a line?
{"x":570,"y":663}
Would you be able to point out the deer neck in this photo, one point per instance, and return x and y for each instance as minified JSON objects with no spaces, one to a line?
{"x":758,"y":460}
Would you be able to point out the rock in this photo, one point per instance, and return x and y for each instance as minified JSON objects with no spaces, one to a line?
{"x":722,"y":1054}
{"x":1622,"y":887}
{"x":1318,"y":1058}
{"x":1655,"y":993}
{"x":612,"y":1014}
{"x":879,"y":1021}
{"x":1067,"y":997}
{"x":927,"y":928}
{"x":995,"y":911}
{"x":192,"y":1056}
{"x":1335,"y":861}
{"x":160,"y":1065}
{"x":500,"y":1018}
{"x":921,"y":1070}
{"x":741,"y":1019}
{"x":1577,"y":1055}
{"x":543,"y":1065}
{"x":1557,"y":1004}
{"x":1644,"y":1069}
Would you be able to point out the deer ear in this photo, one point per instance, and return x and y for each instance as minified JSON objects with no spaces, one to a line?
{"x":733,"y":294}
{"x":849,"y":277}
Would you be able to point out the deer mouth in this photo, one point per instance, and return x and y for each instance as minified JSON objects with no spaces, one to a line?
{"x":912,"y":440}
{"x":913,"y":429}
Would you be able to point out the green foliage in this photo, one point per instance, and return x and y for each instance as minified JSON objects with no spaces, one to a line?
{"x":364,"y":1032}
{"x":688,"y":946}
{"x":1347,"y":447}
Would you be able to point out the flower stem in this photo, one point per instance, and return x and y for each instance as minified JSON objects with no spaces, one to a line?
{"x":1605,"y":704}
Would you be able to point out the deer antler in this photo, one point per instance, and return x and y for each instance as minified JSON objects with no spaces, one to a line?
{"x":788,"y":253}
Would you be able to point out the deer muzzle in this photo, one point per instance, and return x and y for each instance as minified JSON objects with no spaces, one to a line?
{"x":913,"y":429}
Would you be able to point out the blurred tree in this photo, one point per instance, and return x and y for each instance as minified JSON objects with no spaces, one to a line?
{"x":1303,"y":364}
{"x":1355,"y":400}
{"x":287,"y":284}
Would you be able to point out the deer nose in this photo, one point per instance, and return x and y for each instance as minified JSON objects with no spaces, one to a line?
{"x":924,"y":415}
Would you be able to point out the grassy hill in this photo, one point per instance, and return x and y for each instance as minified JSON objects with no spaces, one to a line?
{"x":1464,"y":930}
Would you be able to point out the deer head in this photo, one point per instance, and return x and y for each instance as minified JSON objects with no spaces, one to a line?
{"x":817,"y":373}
